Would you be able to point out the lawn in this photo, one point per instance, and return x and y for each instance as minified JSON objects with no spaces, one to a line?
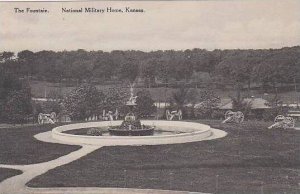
{"x":7,"y":173}
{"x":18,"y":146}
{"x":250,"y":159}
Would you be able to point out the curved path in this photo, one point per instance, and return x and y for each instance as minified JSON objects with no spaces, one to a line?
{"x":17,"y":184}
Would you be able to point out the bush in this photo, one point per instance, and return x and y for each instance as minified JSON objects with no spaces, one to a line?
{"x":203,"y":113}
{"x":95,"y":132}
{"x":205,"y":109}
{"x":271,"y":113}
{"x":18,"y":107}
{"x":217,"y":114}
{"x":135,"y":124}
{"x":208,"y":105}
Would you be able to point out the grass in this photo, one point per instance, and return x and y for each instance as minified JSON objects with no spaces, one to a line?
{"x":7,"y":173}
{"x":250,"y":159}
{"x":18,"y":146}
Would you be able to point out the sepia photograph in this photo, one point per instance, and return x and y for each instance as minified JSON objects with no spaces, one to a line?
{"x":150,"y":97}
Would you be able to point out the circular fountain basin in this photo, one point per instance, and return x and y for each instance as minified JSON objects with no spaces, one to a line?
{"x":183,"y":132}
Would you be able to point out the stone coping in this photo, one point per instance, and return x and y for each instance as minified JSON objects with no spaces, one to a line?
{"x":192,"y":132}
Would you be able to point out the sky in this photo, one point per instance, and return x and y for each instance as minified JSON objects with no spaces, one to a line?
{"x":178,"y":25}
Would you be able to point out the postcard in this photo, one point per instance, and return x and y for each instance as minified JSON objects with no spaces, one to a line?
{"x":161,"y":97}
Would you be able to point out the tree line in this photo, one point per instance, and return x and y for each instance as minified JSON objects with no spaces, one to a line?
{"x":240,"y":68}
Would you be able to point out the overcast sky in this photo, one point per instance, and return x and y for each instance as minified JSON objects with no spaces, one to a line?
{"x":165,"y":25}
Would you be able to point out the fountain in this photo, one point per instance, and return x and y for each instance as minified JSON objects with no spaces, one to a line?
{"x":131,"y":126}
{"x":132,"y":131}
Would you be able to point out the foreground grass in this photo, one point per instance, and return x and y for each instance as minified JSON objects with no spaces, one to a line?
{"x":7,"y":173}
{"x":18,"y":146}
{"x":250,"y":159}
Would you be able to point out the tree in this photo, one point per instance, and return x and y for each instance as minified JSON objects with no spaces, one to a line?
{"x":5,"y":56}
{"x":179,"y":97}
{"x":104,"y":67}
{"x":164,"y":68}
{"x":18,"y":106}
{"x":8,"y":84}
{"x":204,"y":60}
{"x":84,"y":101}
{"x":114,"y":98}
{"x":235,"y":70}
{"x":145,"y":104}
{"x":15,"y":98}
{"x":26,"y":62}
{"x":129,"y":71}
{"x":149,"y":71}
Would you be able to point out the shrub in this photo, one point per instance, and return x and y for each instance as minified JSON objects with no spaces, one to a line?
{"x":135,"y":124}
{"x":18,"y":107}
{"x":95,"y":132}
{"x":206,"y":108}
{"x":209,"y":103}
{"x":217,"y":114}
{"x":271,"y":113}
{"x":202,"y":112}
